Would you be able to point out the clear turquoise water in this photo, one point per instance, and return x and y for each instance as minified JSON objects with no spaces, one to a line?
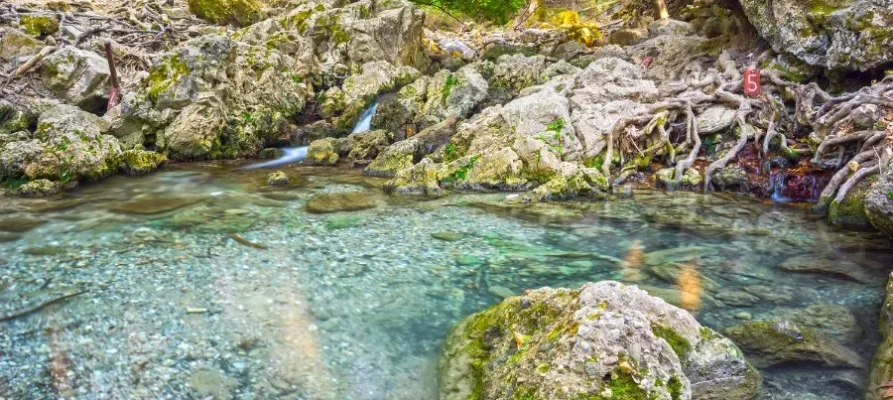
{"x":356,"y":305}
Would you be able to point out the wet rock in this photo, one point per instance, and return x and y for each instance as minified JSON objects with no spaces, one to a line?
{"x":603,"y":340}
{"x":193,"y":132}
{"x":141,"y":162}
{"x":19,"y":224}
{"x":826,"y":34}
{"x":269,"y":154}
{"x":774,"y":342}
{"x":730,"y":177}
{"x":882,"y":364}
{"x":842,"y":269}
{"x":501,"y":291}
{"x":715,"y":119}
{"x":342,"y":222}
{"x":448,"y":236}
{"x":338,"y":202}
{"x":850,"y":213}
{"x":365,"y":146}
{"x":421,"y":179}
{"x":77,"y":76}
{"x":154,"y":205}
{"x":737,"y":299}
{"x":866,"y":116}
{"x":6,"y":237}
{"x":324,"y":151}
{"x":278,"y":178}
{"x":212,"y":384}
{"x":38,"y":188}
{"x":831,"y":320}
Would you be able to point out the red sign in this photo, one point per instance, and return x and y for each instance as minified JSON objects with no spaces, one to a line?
{"x":752,"y":82}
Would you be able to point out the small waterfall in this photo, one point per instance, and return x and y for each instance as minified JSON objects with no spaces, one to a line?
{"x":787,"y":187}
{"x":289,"y":155}
{"x":365,"y":122}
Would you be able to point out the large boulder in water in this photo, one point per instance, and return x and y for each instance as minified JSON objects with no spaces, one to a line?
{"x":841,"y":35}
{"x":603,"y":341}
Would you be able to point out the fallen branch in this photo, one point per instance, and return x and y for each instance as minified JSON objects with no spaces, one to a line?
{"x":247,"y":242}
{"x":40,"y":306}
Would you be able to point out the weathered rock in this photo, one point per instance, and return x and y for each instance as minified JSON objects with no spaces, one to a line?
{"x":730,"y":177}
{"x":269,"y":154}
{"x":278,"y":178}
{"x":194,"y":134}
{"x":71,"y":145}
{"x":19,"y":225}
{"x":850,"y":213}
{"x":866,"y":116}
{"x":515,"y":72}
{"x":421,"y":179}
{"x":212,"y":384}
{"x":325,"y":151}
{"x":365,"y":146}
{"x":669,"y":27}
{"x":882,"y":363}
{"x":15,"y":44}
{"x":605,"y":340}
{"x":879,"y":199}
{"x":778,"y":341}
{"x":628,"y":36}
{"x":402,"y":155}
{"x":77,"y":76}
{"x":338,"y":202}
{"x":715,"y":119}
{"x":844,"y":35}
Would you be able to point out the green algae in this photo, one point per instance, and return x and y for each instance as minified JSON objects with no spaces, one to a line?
{"x":681,"y":346}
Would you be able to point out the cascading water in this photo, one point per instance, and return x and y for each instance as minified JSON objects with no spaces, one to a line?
{"x":289,"y":155}
{"x":297,"y":154}
{"x":365,"y":122}
{"x":793,"y":187}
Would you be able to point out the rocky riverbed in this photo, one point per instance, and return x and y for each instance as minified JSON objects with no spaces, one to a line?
{"x":203,"y":281}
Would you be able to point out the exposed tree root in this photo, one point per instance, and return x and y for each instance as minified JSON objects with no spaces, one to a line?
{"x":761,"y":120}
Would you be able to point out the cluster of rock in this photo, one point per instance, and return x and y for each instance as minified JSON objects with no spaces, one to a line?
{"x":225,"y":94}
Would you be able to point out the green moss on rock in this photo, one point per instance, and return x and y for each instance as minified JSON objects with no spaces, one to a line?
{"x":39,"y":25}
{"x":244,"y":12}
{"x":141,"y":162}
{"x":681,"y":346}
{"x":164,"y":75}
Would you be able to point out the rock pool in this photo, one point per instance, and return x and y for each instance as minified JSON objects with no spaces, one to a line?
{"x":202,"y":282}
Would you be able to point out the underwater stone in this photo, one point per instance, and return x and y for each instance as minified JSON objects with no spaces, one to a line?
{"x":778,"y":341}
{"x":278,"y":178}
{"x":338,"y":202}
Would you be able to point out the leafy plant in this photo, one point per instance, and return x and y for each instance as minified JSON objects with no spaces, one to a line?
{"x":448,"y":87}
{"x":890,"y":194}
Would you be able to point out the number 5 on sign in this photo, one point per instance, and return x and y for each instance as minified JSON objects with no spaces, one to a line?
{"x":752,"y":82}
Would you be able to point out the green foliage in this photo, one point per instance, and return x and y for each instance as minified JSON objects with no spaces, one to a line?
{"x":448,"y":87}
{"x":14,"y":183}
{"x":497,"y":11}
{"x":556,"y":126}
{"x":890,"y":194}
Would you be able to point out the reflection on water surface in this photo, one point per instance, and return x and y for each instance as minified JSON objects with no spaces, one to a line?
{"x":160,"y":287}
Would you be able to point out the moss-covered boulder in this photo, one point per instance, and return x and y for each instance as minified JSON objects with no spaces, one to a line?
{"x":850,"y":213}
{"x":324,"y":151}
{"x":242,"y":12}
{"x":421,"y":179}
{"x":780,"y":341}
{"x":141,"y":162}
{"x":347,"y":103}
{"x":603,"y":341}
{"x":278,"y":178}
{"x":39,"y":25}
{"x":68,"y":145}
{"x":14,"y":44}
{"x":834,"y":34}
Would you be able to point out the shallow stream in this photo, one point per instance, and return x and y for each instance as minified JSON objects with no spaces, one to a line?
{"x":200,"y":282}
